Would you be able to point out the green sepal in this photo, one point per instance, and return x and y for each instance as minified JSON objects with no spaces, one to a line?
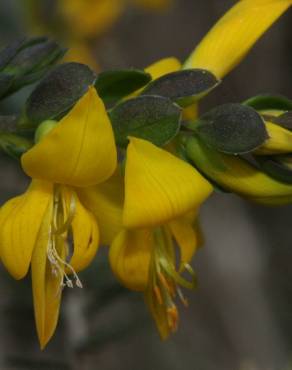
{"x":269,"y":102}
{"x":184,"y":87}
{"x":201,"y":156}
{"x":112,"y":86}
{"x":152,"y":118}
{"x":279,"y":166}
{"x":14,"y":145}
{"x":232,"y":129}
{"x":57,"y":93}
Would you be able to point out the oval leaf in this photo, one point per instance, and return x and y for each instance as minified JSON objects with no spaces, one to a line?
{"x":184,"y":87}
{"x":269,"y":102}
{"x":152,"y":118}
{"x":58,"y":92}
{"x":232,"y":129}
{"x":112,"y":86}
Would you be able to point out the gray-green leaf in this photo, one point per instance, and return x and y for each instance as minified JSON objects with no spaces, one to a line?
{"x":112,"y":86}
{"x":184,"y":87}
{"x":152,"y":118}
{"x":232,"y":129}
{"x":58,"y":92}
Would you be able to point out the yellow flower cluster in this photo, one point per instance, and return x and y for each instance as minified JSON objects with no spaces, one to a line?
{"x":79,"y":198}
{"x":83,"y":20}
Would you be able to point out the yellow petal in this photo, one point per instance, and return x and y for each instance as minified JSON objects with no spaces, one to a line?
{"x":89,"y":18}
{"x":46,"y":286}
{"x":163,"y":67}
{"x":79,"y":151}
{"x":234,"y":34}
{"x":85,"y":238}
{"x":237,"y":175}
{"x":159,"y":186}
{"x":129,"y":257}
{"x":106,"y":202}
{"x":191,"y":112}
{"x":187,"y":236}
{"x":279,"y":142}
{"x":20,"y":221}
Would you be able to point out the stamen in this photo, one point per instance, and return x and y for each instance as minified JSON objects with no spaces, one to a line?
{"x":158,"y":294}
{"x":60,"y":226}
{"x":172,"y":318}
{"x":165,"y":280}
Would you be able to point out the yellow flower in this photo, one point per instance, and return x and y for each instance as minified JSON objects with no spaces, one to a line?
{"x":239,"y":176}
{"x":162,"y":198}
{"x":279,"y":141}
{"x":220,"y":51}
{"x":35,"y":227}
{"x":90,"y":18}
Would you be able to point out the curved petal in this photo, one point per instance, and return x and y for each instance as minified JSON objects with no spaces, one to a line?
{"x":159,"y":186}
{"x":79,"y":151}
{"x":46,"y":285}
{"x":106,"y":202}
{"x":85,"y":238}
{"x":20,"y":221}
{"x":236,"y":174}
{"x":234,"y":34}
{"x":279,"y":142}
{"x":129,"y":257}
{"x":163,"y":67}
{"x":187,"y":235}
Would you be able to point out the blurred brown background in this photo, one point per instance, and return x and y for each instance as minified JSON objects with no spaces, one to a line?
{"x":240,"y":318}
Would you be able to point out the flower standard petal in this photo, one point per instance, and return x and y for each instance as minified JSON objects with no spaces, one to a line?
{"x":20,"y":221}
{"x":79,"y":151}
{"x":234,"y":34}
{"x":159,"y":186}
{"x":130,"y":255}
{"x":106,"y":201}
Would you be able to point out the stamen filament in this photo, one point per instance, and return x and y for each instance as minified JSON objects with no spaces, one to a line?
{"x":60,"y":226}
{"x":165,"y":281}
